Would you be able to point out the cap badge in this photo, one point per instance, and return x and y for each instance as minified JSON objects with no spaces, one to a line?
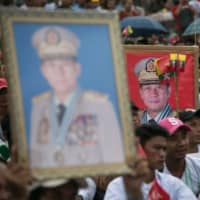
{"x":150,"y":67}
{"x":53,"y":37}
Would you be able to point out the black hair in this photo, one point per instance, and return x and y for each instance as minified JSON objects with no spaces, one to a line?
{"x":6,"y":2}
{"x":38,"y":192}
{"x":176,"y":2}
{"x":147,"y":131}
{"x":134,"y":109}
{"x":5,"y":124}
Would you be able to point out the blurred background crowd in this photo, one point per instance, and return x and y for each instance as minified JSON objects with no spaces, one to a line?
{"x":175,"y":15}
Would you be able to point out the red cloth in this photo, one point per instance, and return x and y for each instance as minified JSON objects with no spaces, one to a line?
{"x":141,"y":151}
{"x":0,"y":55}
{"x":176,"y":16}
{"x":3,"y":83}
{"x":157,"y":192}
{"x":178,"y":27}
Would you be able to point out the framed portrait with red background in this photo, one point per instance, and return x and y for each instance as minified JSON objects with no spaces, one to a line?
{"x":182,"y":61}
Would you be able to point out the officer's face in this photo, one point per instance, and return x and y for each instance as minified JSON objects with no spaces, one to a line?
{"x":61,"y":74}
{"x":155,"y":96}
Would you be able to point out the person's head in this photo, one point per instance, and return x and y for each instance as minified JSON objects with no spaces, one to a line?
{"x":135,"y":115}
{"x":92,"y":4}
{"x":6,"y":2}
{"x":184,"y":2}
{"x":66,"y":3}
{"x":178,"y":141}
{"x":153,"y":92}
{"x":110,"y":4}
{"x":128,"y":4}
{"x":191,"y":117}
{"x":167,"y":4}
{"x":176,"y":2}
{"x":57,"y":47}
{"x":35,"y":3}
{"x":153,"y":139}
{"x":82,"y":3}
{"x":57,"y":189}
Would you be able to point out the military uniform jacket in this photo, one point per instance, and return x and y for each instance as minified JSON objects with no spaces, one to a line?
{"x":166,"y":112}
{"x":89,"y":132}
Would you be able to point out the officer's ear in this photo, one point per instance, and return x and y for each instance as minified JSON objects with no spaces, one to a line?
{"x":140,"y":90}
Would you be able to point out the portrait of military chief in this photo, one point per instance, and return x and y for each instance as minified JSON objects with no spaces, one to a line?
{"x":70,"y":126}
{"x":161,"y":79}
{"x":154,"y":93}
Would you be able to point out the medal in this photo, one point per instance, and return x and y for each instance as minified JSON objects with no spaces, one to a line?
{"x":58,"y":156}
{"x":43,"y":129}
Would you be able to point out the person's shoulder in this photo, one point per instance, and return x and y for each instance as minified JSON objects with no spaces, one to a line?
{"x":141,"y":113}
{"x":167,"y":178}
{"x":115,"y":190}
{"x":91,"y":95}
{"x":41,"y":97}
{"x":169,"y":182}
{"x":116,"y":181}
{"x":193,"y":159}
{"x":193,"y":155}
{"x":173,"y":113}
{"x":174,"y":186}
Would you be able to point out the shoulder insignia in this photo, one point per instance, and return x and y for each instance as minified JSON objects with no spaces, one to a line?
{"x":93,"y":95}
{"x":173,"y":114}
{"x":141,"y":113}
{"x":44,"y":95}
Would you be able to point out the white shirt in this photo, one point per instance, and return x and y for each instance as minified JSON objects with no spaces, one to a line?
{"x":176,"y":189}
{"x":198,"y":148}
{"x":88,"y":192}
{"x":191,"y":174}
{"x":50,"y":6}
{"x":196,"y":5}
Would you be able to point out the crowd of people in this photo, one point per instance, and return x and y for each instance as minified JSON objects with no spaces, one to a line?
{"x":175,"y":15}
{"x":167,"y":165}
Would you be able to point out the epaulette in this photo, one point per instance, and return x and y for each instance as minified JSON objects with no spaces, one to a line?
{"x":44,"y":95}
{"x":173,"y":113}
{"x":141,"y":113}
{"x":93,"y":95}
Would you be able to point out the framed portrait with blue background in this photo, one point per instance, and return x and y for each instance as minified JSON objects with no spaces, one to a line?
{"x":69,"y":101}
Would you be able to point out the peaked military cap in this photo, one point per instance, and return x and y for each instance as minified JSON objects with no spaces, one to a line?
{"x":145,"y":70}
{"x":55,"y":41}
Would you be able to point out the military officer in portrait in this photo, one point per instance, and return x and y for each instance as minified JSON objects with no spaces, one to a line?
{"x":69,"y":126}
{"x":154,"y":93}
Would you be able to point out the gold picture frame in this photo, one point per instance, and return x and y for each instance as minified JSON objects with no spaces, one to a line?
{"x":103,"y":71}
{"x":186,"y":93}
